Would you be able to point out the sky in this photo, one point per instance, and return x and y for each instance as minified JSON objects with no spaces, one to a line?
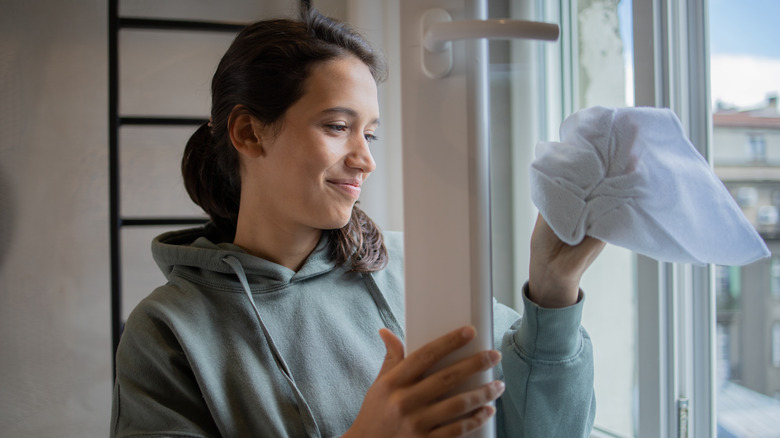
{"x":749,"y":27}
{"x":744,"y":49}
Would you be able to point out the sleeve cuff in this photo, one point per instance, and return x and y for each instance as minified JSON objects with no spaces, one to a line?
{"x":549,"y":334}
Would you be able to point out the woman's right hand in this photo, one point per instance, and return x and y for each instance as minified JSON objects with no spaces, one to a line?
{"x":405,"y":402}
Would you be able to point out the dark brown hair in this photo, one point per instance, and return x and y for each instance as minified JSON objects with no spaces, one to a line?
{"x":265,"y":70}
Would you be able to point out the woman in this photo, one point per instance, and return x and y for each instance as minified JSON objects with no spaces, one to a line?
{"x":268,"y":324}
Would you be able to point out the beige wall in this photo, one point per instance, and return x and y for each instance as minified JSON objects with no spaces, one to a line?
{"x":55,"y":342}
{"x":55,"y":348}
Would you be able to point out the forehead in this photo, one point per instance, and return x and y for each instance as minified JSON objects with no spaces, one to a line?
{"x":342,"y":82}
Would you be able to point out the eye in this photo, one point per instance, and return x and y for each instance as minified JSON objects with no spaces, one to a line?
{"x":336,"y":128}
{"x":370,"y":137}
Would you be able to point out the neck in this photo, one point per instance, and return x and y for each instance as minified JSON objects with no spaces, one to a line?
{"x":285,"y":247}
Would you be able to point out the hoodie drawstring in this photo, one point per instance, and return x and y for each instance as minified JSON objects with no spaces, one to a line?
{"x":387,"y":315}
{"x":307,"y":416}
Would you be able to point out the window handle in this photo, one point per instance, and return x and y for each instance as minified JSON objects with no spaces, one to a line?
{"x":438,"y":32}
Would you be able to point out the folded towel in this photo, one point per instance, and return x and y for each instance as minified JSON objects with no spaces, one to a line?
{"x":630,"y":177}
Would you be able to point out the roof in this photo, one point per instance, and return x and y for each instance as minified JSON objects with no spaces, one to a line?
{"x":745,"y":120}
{"x":765,"y":116}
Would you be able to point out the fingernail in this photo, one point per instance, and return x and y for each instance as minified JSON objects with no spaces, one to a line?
{"x":495,"y":356}
{"x":499,"y":386}
{"x":468,"y":332}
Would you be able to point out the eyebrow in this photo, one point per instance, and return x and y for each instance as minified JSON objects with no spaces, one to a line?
{"x":348,"y":111}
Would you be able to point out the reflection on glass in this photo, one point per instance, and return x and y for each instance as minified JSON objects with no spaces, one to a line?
{"x":746,"y":153}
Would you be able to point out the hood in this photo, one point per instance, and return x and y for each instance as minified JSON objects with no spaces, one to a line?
{"x":202,"y":256}
{"x":203,"y":249}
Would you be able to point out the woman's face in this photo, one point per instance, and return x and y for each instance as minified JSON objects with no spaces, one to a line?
{"x":313,"y":166}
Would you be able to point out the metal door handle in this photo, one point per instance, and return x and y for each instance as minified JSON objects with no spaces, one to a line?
{"x":438,"y":31}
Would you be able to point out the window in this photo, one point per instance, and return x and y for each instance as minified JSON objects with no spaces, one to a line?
{"x":747,"y":196}
{"x":775,"y":277}
{"x":667,"y":337}
{"x":602,"y":53}
{"x":776,"y":346}
{"x":743,"y":95}
{"x":757,"y":148}
{"x":591,"y":64}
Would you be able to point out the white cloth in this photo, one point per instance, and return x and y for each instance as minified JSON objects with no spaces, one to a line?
{"x":630,"y":177}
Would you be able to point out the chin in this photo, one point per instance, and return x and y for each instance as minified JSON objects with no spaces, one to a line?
{"x":338,"y":222}
{"x":341,"y":224}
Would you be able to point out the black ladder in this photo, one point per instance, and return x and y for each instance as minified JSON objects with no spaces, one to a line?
{"x":116,"y":121}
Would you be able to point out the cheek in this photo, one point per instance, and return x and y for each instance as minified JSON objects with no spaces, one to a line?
{"x":320,"y":159}
{"x":312,"y":156}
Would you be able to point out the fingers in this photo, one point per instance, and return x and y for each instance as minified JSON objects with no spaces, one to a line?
{"x":469,"y":410}
{"x":395,"y":350}
{"x":465,"y":425}
{"x":431,"y":353}
{"x":407,"y":399}
{"x":433,"y":387}
{"x":444,"y":380}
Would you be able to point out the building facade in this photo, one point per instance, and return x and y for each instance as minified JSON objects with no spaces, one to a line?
{"x":746,"y":153}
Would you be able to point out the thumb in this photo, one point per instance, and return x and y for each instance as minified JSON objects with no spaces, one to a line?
{"x":395,"y":350}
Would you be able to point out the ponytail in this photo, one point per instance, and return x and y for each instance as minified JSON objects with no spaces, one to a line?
{"x":211,"y":177}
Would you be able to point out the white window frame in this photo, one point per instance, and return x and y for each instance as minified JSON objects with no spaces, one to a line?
{"x":677,"y":306}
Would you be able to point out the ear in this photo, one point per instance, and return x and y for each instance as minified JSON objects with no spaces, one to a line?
{"x":245,"y":132}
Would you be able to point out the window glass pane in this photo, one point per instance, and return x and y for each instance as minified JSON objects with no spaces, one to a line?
{"x":605,"y":77}
{"x":531,"y":91}
{"x":744,"y":66}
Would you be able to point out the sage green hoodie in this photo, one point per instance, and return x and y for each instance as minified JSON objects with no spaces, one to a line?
{"x":237,"y":346}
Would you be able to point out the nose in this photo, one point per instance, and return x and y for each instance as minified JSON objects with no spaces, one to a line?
{"x":359,"y":156}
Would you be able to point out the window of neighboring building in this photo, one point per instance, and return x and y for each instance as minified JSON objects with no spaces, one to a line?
{"x":723,"y":352}
{"x":775,"y":277}
{"x":776,"y":344}
{"x":757,"y":148}
{"x":767,"y":215}
{"x":747,"y":196}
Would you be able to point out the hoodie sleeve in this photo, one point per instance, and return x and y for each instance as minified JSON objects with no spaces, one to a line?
{"x":155,"y":392}
{"x":547,"y":366}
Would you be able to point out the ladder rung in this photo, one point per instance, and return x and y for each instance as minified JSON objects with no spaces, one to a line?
{"x":162,"y":24}
{"x":150,"y":221}
{"x":180,"y":121}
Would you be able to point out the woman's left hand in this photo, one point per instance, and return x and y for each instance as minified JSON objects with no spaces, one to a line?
{"x":556,"y":267}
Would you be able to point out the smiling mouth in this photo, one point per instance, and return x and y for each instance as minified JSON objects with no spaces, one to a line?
{"x":350,"y":188}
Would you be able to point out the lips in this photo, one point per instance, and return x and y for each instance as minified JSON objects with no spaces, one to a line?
{"x":348,"y":186}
